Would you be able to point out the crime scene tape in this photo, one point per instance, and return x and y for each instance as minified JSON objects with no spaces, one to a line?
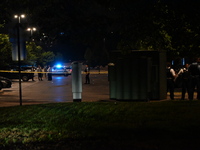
{"x":23,"y":71}
{"x":92,"y":72}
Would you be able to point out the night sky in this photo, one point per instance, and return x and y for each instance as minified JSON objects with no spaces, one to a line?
{"x":73,"y":26}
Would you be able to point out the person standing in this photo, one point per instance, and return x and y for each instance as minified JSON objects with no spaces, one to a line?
{"x":39,"y":70}
{"x":184,"y":74}
{"x":45,"y":71}
{"x":49,"y":74}
{"x":87,"y":76}
{"x":33,"y":70}
{"x":194,"y":71}
{"x":170,"y":80}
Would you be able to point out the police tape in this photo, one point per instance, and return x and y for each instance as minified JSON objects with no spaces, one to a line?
{"x":93,"y":72}
{"x":23,"y":71}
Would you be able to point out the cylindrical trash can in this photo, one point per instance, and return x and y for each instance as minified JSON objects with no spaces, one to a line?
{"x":112,"y":80}
{"x":76,"y":82}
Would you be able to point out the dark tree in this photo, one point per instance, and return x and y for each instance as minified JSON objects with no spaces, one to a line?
{"x":106,"y":25}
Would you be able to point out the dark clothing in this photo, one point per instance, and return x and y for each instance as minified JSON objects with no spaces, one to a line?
{"x":49,"y":76}
{"x":87,"y":77}
{"x":32,"y":70}
{"x":194,"y":69}
{"x":170,"y":87}
{"x":184,"y":82}
{"x":49,"y":70}
{"x":194,"y":80}
{"x":169,"y":74}
{"x":194,"y":83}
{"x":40,"y":75}
{"x":185,"y":88}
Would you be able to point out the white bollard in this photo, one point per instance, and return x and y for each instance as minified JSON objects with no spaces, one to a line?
{"x":76,"y":81}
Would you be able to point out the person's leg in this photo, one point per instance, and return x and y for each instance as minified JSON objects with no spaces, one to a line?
{"x":187,"y":88}
{"x":33,"y":78}
{"x":85,"y":79}
{"x":171,"y":84}
{"x":198,"y":88}
{"x":51,"y":76}
{"x":167,"y":85}
{"x":183,"y":89}
{"x":41,"y":76}
{"x":191,"y":88}
{"x":88,"y":78}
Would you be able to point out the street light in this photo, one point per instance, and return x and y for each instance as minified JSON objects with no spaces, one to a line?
{"x":19,"y":55}
{"x":31,"y":31}
{"x":19,"y":17}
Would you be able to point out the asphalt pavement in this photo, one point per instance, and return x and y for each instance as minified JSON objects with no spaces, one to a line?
{"x":59,"y":90}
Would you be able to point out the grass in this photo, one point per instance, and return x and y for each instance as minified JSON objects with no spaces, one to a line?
{"x":102,"y":125}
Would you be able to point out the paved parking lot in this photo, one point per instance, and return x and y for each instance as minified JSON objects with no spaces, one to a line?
{"x":57,"y":90}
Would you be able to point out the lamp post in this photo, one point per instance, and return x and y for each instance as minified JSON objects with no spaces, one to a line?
{"x":19,"y":55}
{"x":31,"y":31}
{"x":19,"y":17}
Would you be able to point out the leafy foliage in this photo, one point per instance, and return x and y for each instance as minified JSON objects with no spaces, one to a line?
{"x":33,"y":53}
{"x":36,"y":55}
{"x":47,"y":57}
{"x":5,"y":50}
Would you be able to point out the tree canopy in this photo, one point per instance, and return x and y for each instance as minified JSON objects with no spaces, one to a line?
{"x":37,"y":56}
{"x":5,"y":50}
{"x":105,"y":25}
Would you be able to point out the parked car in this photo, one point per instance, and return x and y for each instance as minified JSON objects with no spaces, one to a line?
{"x":61,"y":70}
{"x":68,"y":70}
{"x":14,"y":74}
{"x":29,"y":68}
{"x":5,"y":83}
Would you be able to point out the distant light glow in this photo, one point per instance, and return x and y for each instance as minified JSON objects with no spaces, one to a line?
{"x":19,"y":17}
{"x":31,"y":29}
{"x":58,"y":65}
{"x":58,"y":78}
{"x":183,"y":61}
{"x":172,"y":62}
{"x":22,"y":16}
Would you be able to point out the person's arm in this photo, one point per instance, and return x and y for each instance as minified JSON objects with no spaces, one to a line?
{"x":173,"y":74}
{"x":180,"y":71}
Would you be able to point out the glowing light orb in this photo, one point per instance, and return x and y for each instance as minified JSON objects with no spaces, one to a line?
{"x":58,"y":65}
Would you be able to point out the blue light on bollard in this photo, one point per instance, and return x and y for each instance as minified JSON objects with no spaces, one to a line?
{"x":76,"y":81}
